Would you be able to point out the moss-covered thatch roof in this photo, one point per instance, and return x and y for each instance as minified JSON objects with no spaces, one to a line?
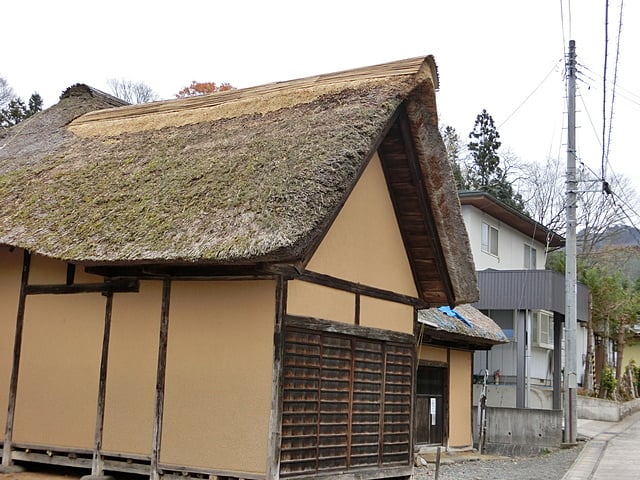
{"x":238,"y":177}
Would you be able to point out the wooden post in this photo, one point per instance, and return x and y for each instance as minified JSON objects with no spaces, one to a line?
{"x":275,"y":421}
{"x":160,"y":380}
{"x":97,"y":464}
{"x":15,"y":369}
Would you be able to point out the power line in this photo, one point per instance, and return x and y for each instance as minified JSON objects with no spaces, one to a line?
{"x":613,"y":91}
{"x":554,"y":67}
{"x":596,"y":78}
{"x":604,"y":86}
{"x":564,"y":37}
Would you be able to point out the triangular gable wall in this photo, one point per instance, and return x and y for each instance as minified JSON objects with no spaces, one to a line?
{"x":364,"y":243}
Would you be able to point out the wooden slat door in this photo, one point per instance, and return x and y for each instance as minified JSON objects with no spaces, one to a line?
{"x":429,"y":409}
{"x":346,"y":403}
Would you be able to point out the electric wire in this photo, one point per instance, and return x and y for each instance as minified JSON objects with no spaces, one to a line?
{"x":546,"y":77}
{"x":613,"y":93}
{"x":596,"y":80}
{"x":604,"y":85}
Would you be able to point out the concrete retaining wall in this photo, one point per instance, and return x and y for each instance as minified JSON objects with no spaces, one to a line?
{"x":592,"y":408}
{"x":516,"y":431}
{"x":504,"y":395}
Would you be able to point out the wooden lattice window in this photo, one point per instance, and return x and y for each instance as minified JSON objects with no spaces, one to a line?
{"x":346,"y":403}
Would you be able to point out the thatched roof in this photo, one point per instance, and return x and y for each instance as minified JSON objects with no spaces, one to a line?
{"x":463,"y":324}
{"x":237,"y":177}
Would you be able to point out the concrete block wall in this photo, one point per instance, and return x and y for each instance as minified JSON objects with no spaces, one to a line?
{"x":516,"y":431}
{"x":591,"y":408}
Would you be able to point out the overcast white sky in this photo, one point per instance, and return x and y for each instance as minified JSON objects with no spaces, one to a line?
{"x":502,"y":55}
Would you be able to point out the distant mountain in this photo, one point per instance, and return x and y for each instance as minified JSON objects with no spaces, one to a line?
{"x":619,"y":249}
{"x":620,"y":236}
{"x":625,"y":260}
{"x":614,"y":236}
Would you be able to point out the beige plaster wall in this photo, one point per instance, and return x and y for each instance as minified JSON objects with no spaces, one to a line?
{"x":219,"y":375}
{"x":311,"y":300}
{"x":460,"y":434}
{"x":131,"y":377}
{"x":631,"y":353}
{"x":10,"y":273}
{"x":363,"y":245}
{"x":58,"y":382}
{"x":433,"y":354}
{"x":378,"y":313}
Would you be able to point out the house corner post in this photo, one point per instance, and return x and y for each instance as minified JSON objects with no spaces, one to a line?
{"x":7,"y":461}
{"x":275,"y":420}
{"x":155,"y":472}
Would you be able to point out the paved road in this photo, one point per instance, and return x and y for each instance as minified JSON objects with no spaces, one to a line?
{"x":613,"y":453}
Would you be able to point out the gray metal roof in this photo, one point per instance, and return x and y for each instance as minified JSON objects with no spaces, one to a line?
{"x":528,"y":290}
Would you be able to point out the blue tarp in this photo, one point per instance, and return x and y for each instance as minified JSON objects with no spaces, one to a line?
{"x":452,"y":313}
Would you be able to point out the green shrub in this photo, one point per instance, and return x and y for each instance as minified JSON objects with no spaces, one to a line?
{"x":607,"y":383}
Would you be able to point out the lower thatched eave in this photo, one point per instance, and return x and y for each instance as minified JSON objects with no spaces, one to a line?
{"x":464,"y":324}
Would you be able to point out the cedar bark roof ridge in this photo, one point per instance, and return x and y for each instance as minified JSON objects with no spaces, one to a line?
{"x":241,"y":177}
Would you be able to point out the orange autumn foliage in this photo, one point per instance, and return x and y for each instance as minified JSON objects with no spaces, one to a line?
{"x":203,"y":88}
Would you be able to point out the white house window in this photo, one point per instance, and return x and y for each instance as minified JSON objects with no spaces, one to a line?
{"x":542,"y":329}
{"x":489,"y":239}
{"x":529,"y":258}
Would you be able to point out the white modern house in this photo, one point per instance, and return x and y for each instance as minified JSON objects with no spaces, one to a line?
{"x":525,"y":300}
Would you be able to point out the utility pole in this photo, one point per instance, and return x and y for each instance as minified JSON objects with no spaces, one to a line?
{"x":570,"y":318}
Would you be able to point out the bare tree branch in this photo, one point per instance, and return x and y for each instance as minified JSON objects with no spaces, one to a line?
{"x":6,"y":93}
{"x":131,"y":92}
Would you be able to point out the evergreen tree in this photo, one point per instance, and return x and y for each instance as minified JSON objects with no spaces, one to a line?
{"x":485,"y":172}
{"x":453,"y":146}
{"x":16,"y":110}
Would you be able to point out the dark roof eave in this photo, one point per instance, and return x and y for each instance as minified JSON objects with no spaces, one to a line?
{"x":503,"y":212}
{"x":445,"y":338}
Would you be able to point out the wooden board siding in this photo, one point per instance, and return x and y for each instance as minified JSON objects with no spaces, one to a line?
{"x":346,"y":403}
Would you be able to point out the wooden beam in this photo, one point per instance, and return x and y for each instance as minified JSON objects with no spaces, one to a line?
{"x":357,"y":288}
{"x":116,"y":285}
{"x":97,"y":463}
{"x":346,"y":285}
{"x":310,"y":323}
{"x":15,"y":368}
{"x":160,"y":380}
{"x":184,"y":272}
{"x":366,"y":473}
